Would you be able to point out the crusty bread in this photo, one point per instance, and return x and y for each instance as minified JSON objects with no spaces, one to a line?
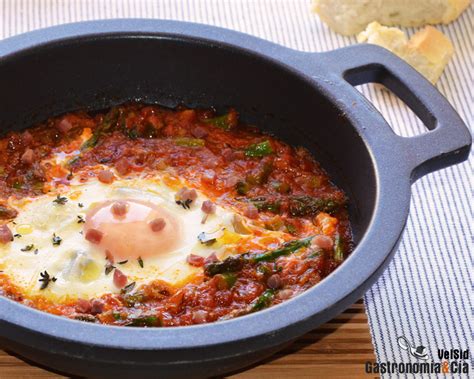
{"x":352,"y":16}
{"x":428,"y":51}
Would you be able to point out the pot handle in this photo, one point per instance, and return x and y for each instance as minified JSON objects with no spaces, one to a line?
{"x":447,"y":141}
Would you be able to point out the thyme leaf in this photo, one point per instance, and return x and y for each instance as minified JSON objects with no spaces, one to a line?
{"x":60,"y":200}
{"x":46,"y":279}
{"x":56,"y":240}
{"x":128,"y":288}
{"x":140,"y":261}
{"x":28,"y":247}
{"x":109,"y":268}
{"x":186,"y":204}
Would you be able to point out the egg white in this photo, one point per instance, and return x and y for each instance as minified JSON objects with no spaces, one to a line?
{"x":79,"y":266}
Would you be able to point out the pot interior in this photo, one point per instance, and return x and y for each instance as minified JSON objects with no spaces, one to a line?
{"x":98,"y":72}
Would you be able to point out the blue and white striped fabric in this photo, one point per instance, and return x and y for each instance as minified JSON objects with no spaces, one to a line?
{"x":426,"y":293}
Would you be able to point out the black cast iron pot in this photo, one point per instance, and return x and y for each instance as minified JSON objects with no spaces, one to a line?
{"x":306,"y":99}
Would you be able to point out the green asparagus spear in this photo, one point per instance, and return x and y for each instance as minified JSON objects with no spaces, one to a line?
{"x":262,"y":204}
{"x":230,"y":264}
{"x":286,"y":249}
{"x":305,"y":205}
{"x":236,"y":262}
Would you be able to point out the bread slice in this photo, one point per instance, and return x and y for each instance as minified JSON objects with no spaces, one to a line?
{"x":352,"y":16}
{"x":428,"y":51}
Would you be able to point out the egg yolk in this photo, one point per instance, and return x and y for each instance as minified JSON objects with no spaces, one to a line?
{"x":129,"y":229}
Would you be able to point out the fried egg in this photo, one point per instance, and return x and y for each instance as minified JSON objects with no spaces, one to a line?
{"x":134,"y":225}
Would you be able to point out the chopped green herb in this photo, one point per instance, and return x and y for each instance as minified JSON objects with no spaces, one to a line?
{"x":80,"y":205}
{"x":262,"y":174}
{"x":110,"y":120}
{"x":222,"y":122}
{"x":17,"y":235}
{"x":230,"y":279}
{"x":60,"y":200}
{"x":45,"y":279}
{"x":80,"y":219}
{"x":290,"y":228}
{"x":56,"y":240}
{"x":281,"y":187}
{"x":263,"y":301}
{"x":132,"y":299}
{"x":263,"y":269}
{"x":189,"y":142}
{"x":144,"y":321}
{"x":122,"y":262}
{"x":28,"y":247}
{"x":116,"y":316}
{"x":338,"y":249}
{"x":132,"y":133}
{"x":261,"y":149}
{"x":140,"y":261}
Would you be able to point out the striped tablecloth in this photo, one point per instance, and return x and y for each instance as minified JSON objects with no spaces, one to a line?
{"x":426,"y":293}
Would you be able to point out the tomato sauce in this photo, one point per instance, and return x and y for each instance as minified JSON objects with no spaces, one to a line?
{"x":279,"y":186}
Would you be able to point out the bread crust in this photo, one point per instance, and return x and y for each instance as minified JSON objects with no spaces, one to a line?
{"x":428,"y":50}
{"x":350,"y":17}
